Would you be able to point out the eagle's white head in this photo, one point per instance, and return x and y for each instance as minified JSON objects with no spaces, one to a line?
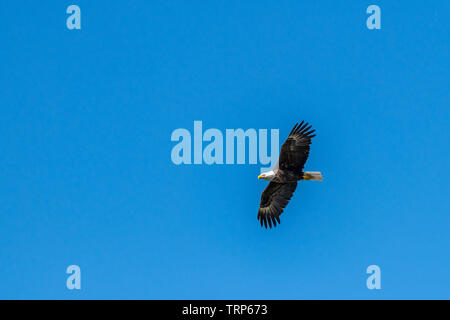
{"x":267,"y":175}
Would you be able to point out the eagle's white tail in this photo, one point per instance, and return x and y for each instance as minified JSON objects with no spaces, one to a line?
{"x":315,"y":176}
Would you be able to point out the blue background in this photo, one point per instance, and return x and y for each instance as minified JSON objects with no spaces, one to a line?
{"x":86,"y":176}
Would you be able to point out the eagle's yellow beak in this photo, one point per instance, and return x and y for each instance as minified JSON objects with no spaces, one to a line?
{"x":260,"y":176}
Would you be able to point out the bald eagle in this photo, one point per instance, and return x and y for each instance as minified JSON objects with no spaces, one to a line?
{"x":285,"y":174}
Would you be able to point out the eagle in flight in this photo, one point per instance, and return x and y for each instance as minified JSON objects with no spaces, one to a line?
{"x":286,"y":173}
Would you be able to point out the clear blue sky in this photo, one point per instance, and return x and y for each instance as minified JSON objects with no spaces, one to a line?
{"x":86,"y":176}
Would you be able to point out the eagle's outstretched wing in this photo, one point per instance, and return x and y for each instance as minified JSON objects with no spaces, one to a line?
{"x":273,"y":200}
{"x":295,"y":149}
